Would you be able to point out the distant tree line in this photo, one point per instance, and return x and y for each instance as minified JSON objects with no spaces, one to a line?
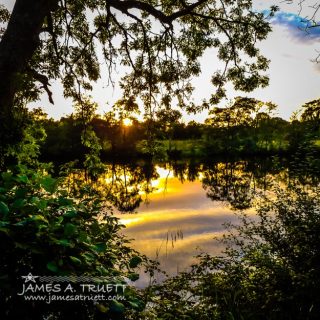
{"x":245,"y":127}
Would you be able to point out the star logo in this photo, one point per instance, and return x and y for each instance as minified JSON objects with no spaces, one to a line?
{"x":29,"y":277}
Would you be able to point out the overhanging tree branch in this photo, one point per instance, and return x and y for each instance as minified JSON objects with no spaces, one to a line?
{"x":162,"y":56}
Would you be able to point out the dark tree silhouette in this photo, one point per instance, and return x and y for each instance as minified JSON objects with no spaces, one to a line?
{"x":160,"y":41}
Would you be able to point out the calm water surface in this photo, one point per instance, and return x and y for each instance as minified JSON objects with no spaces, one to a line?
{"x":173,"y":211}
{"x":176,"y":221}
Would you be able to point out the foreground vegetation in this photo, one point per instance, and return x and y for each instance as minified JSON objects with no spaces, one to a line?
{"x":49,"y":227}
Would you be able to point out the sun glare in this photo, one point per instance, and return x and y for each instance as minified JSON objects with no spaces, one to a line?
{"x":127,"y":122}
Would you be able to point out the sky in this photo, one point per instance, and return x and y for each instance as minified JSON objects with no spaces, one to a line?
{"x":294,"y":76}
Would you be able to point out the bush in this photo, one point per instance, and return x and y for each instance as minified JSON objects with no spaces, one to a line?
{"x":47,"y":230}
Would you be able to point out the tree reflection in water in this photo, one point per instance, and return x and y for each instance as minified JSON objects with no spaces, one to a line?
{"x":235,"y":183}
{"x":126,"y":183}
{"x":190,"y":201}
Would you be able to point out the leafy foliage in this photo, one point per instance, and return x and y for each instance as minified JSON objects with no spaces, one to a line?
{"x":159,"y":43}
{"x":84,"y":114}
{"x":28,"y":151}
{"x":46,"y":229}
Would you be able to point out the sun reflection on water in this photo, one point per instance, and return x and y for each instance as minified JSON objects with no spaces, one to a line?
{"x":177,"y":223}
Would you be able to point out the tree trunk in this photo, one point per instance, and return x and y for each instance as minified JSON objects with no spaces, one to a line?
{"x":17,"y":46}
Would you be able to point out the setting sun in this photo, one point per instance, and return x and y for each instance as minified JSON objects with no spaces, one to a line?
{"x":127,"y":122}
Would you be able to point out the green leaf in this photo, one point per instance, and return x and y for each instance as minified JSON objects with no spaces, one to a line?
{"x":65,"y":201}
{"x":70,"y":213}
{"x":18,"y":203}
{"x":22,"y":223}
{"x":52,"y":266}
{"x":6,"y":176}
{"x":83,"y":237}
{"x":133,"y":276}
{"x":59,"y":221}
{"x":49,"y":184}
{"x":100,"y":247}
{"x":42,"y":204}
{"x":22,"y":178}
{"x":64,"y":242}
{"x":4,"y":210}
{"x":21,"y":192}
{"x":39,"y":217}
{"x":102,"y":308}
{"x":89,"y":257}
{"x":75,"y":260}
{"x":4,"y":230}
{"x":70,"y":229}
{"x":135,"y":261}
{"x":136,"y":304}
{"x":116,"y":306}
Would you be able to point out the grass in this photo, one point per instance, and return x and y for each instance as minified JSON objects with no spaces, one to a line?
{"x":191,"y":147}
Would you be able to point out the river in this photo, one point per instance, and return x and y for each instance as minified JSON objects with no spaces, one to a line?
{"x":173,"y":211}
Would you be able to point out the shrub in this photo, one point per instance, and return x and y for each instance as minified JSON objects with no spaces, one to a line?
{"x":47,"y":230}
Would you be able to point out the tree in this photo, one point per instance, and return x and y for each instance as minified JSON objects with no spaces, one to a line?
{"x":166,"y":121}
{"x":238,"y":120}
{"x":159,"y":41}
{"x":311,"y":111}
{"x":243,"y":112}
{"x":84,"y":114}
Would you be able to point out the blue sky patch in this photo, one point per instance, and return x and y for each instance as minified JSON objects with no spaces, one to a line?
{"x":299,"y":27}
